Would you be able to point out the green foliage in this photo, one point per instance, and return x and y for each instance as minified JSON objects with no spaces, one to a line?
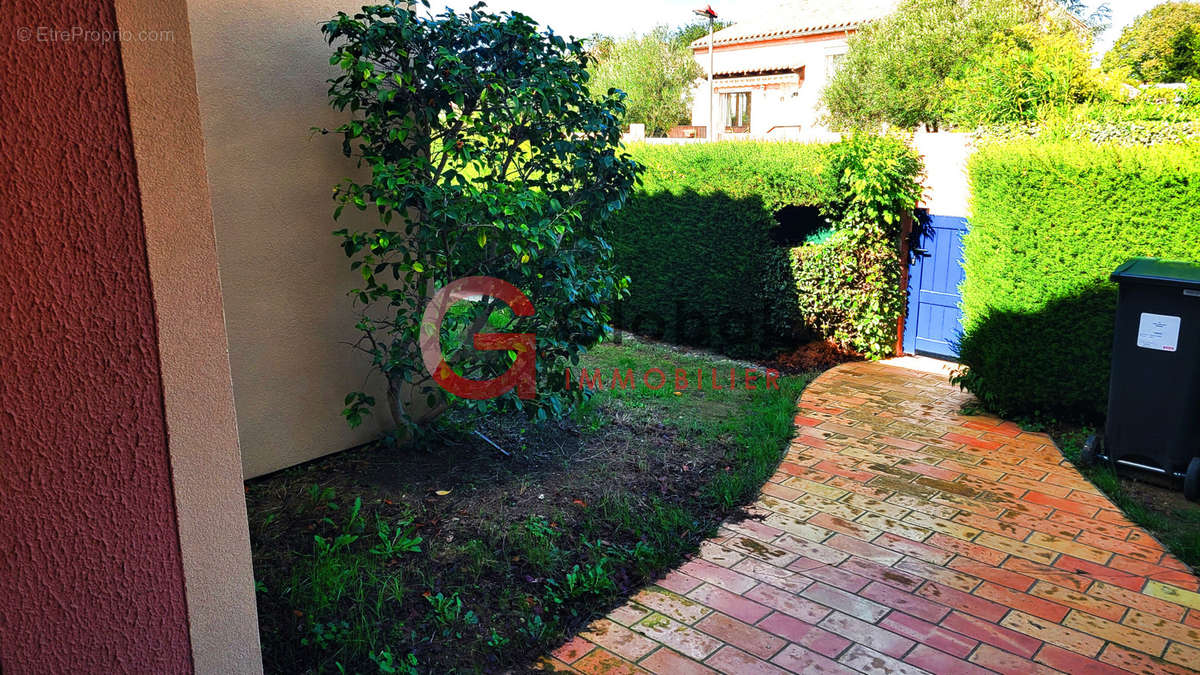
{"x":1156,"y":115}
{"x":849,"y":286}
{"x":1183,"y":62}
{"x":1021,"y":76}
{"x":952,"y":61}
{"x":447,"y":612}
{"x":684,"y":36}
{"x":873,"y":183}
{"x":1147,"y":46}
{"x":695,"y":241}
{"x":487,"y":156}
{"x":397,"y":539}
{"x":346,"y":590}
{"x":1050,"y":222}
{"x":654,"y":70}
{"x":850,"y":292}
{"x":896,"y":68}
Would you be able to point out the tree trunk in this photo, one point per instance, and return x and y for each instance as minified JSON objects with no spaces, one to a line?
{"x":409,"y":405}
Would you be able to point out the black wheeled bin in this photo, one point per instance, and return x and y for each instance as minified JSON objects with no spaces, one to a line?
{"x":1154,"y":393}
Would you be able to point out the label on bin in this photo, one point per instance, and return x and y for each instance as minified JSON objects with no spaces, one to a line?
{"x":1158,"y":332}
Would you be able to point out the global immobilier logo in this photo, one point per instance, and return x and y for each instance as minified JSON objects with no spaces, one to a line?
{"x":522,"y":373}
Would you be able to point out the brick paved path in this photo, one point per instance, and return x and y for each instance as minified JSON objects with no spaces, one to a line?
{"x":899,"y":536}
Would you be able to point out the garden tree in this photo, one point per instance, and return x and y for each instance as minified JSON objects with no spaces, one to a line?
{"x":488,"y":155}
{"x":684,"y":36}
{"x":1183,"y":63}
{"x":655,"y":72}
{"x":1020,"y":76}
{"x":896,"y":69}
{"x":1146,"y":45}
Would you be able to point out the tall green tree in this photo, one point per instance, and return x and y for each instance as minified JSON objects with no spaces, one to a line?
{"x":1020,"y":76}
{"x":897,"y":69}
{"x":684,"y":36}
{"x":655,"y":71}
{"x":1183,"y":63}
{"x":1146,"y":46}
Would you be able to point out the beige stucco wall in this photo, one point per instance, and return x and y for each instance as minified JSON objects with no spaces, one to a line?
{"x":202,"y":440}
{"x":261,"y":67}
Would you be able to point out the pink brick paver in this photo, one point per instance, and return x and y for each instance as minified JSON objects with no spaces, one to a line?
{"x":899,"y":535}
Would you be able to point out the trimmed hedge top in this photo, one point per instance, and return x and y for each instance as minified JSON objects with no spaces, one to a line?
{"x":1050,"y":223}
{"x":779,"y":173}
{"x":695,"y":241}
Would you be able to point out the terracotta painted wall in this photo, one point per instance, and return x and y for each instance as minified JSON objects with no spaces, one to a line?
{"x":283,"y":276}
{"x":90,"y":571}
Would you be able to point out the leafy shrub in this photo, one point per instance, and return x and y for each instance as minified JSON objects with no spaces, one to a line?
{"x":1050,"y":223}
{"x":695,"y":241}
{"x":1024,"y":73}
{"x":850,"y":293}
{"x":849,"y":287}
{"x":488,"y":157}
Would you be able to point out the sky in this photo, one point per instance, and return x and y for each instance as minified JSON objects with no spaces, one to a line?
{"x":622,"y":17}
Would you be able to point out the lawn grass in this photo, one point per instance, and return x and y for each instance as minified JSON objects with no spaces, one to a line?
{"x":453,"y":558}
{"x":1159,"y":506}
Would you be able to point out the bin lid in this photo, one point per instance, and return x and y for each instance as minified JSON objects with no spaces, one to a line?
{"x":1159,"y":272}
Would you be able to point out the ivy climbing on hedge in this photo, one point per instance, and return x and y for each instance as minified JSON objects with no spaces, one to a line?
{"x":849,"y":288}
{"x":696,"y":241}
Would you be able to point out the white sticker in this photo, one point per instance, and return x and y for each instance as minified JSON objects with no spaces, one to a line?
{"x":1159,"y":332}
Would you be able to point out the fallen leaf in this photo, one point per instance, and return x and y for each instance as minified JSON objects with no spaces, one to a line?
{"x":442,"y":493}
{"x":579,"y":502}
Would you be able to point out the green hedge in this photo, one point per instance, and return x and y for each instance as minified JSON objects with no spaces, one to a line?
{"x":1050,"y":222}
{"x":695,"y":241}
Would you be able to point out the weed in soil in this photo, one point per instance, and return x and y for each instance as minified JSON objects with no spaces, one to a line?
{"x":451,"y":557}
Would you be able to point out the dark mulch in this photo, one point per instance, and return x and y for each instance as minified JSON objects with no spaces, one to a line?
{"x":817,"y":355}
{"x":517,"y":552}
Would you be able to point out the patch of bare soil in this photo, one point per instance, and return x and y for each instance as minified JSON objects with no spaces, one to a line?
{"x":495,"y":532}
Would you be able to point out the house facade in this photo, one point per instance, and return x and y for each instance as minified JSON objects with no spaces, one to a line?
{"x":768,"y":73}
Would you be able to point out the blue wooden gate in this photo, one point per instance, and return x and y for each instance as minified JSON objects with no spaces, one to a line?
{"x":934,"y":320}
